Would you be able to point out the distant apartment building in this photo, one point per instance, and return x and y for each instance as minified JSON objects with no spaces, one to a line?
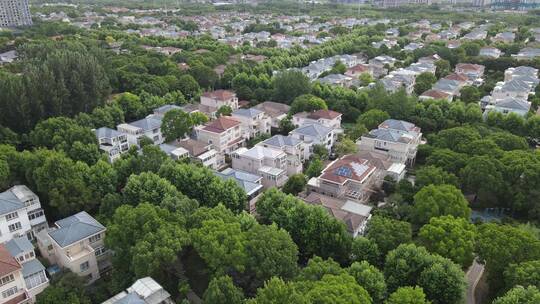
{"x":396,"y":3}
{"x":77,"y":243}
{"x":112,"y":142}
{"x":395,"y":138}
{"x":143,"y":291}
{"x":14,"y":13}
{"x":20,"y":214}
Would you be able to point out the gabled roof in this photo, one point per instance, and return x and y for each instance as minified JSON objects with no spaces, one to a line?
{"x":457,"y":77}
{"x":166,"y":108}
{"x":273,"y":109}
{"x":8,"y":264}
{"x":247,"y":181}
{"x":435,"y":94}
{"x":515,"y":85}
{"x":31,"y":267}
{"x":75,"y":228}
{"x":148,"y":123}
{"x":513,"y":103}
{"x":221,"y":124}
{"x":313,"y":130}
{"x":470,"y":67}
{"x":219,"y":94}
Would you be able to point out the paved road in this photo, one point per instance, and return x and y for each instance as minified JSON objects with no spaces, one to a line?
{"x":473,"y":276}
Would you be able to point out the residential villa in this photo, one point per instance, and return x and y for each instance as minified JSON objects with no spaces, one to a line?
{"x":349,"y":177}
{"x":288,"y":144}
{"x":272,"y":164}
{"x":327,"y":118}
{"x":143,"y":291}
{"x":212,"y":101}
{"x":13,"y":286}
{"x":254,"y":122}
{"x":353,"y":214}
{"x":224,"y":134}
{"x":149,"y":127}
{"x":250,"y":183}
{"x":113,"y":142}
{"x":276,"y":111}
{"x":20,"y":214}
{"x":475,"y":72}
{"x":395,"y":138}
{"x":33,"y":272}
{"x":314,"y":134}
{"x":199,"y":151}
{"x":76,"y":243}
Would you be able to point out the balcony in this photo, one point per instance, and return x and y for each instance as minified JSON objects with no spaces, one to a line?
{"x":85,"y":251}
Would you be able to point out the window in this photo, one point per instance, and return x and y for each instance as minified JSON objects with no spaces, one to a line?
{"x":95,"y":238}
{"x":35,"y":214}
{"x":14,"y":227}
{"x":7,"y":279}
{"x":8,"y":293}
{"x":100,"y":251}
{"x":84,"y":266}
{"x":11,"y":216}
{"x":35,"y":279}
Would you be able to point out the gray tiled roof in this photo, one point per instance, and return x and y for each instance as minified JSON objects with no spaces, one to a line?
{"x":398,"y":125}
{"x":166,"y":108}
{"x":31,"y":267}
{"x":19,"y":245}
{"x":313,"y":130}
{"x":130,"y":298}
{"x":251,"y":112}
{"x":245,"y":180}
{"x":105,"y":132}
{"x":280,"y":141}
{"x":389,"y":135}
{"x":9,"y":202}
{"x":75,"y":228}
{"x":512,"y":103}
{"x":147,"y":124}
{"x":515,"y":85}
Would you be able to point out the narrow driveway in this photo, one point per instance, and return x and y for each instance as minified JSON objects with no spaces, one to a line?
{"x":473,"y":276}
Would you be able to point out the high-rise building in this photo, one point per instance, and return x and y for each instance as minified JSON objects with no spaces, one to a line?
{"x":14,"y":13}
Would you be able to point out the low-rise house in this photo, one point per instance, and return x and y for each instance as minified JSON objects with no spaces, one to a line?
{"x":490,"y":52}
{"x":254,"y":122}
{"x":384,"y":165}
{"x":435,"y":94}
{"x":448,"y":86}
{"x":354,"y":215}
{"x":149,"y":127}
{"x":224,"y":134}
{"x":453,"y":44}
{"x":395,"y":138}
{"x":509,"y":105}
{"x":504,"y":37}
{"x":343,"y":81}
{"x":272,"y":164}
{"x":112,"y":142}
{"x":250,"y":183}
{"x":200,"y":152}
{"x":76,"y":243}
{"x":413,"y":46}
{"x":358,"y":70}
{"x":475,"y":35}
{"x":514,"y":88}
{"x":32,"y":271}
{"x":327,"y":118}
{"x":20,"y":214}
{"x":397,"y":81}
{"x":389,"y":43}
{"x":527,"y":53}
{"x":521,"y":72}
{"x":475,"y":72}
{"x":143,"y":291}
{"x":288,"y":144}
{"x":349,"y":177}
{"x":314,"y":134}
{"x":8,"y":57}
{"x":13,"y":286}
{"x":212,"y":101}
{"x":174,"y":151}
{"x":276,"y":111}
{"x":432,"y":59}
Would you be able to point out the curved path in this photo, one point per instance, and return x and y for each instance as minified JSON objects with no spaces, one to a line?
{"x":473,"y":276}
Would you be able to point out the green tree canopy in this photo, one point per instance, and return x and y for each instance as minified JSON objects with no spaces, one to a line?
{"x":372,"y":118}
{"x":437,"y":200}
{"x":176,"y":124}
{"x":370,"y":278}
{"x":221,"y":290}
{"x":520,"y":295}
{"x":388,"y":233}
{"x":408,"y":295}
{"x":290,"y":84}
{"x":307,"y":103}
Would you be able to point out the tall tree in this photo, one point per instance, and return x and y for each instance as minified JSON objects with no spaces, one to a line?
{"x":290,"y":84}
{"x":221,"y":290}
{"x":388,"y":233}
{"x":437,"y":200}
{"x":176,"y":124}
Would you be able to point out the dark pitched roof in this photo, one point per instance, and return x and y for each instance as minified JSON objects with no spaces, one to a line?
{"x":75,"y":228}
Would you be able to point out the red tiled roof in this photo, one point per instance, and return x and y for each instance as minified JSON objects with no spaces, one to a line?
{"x":8,"y":264}
{"x":436,"y":94}
{"x":219,"y":94}
{"x":221,"y":124}
{"x":326,"y":114}
{"x":18,"y":299}
{"x":349,"y":167}
{"x":358,"y":68}
{"x":457,"y":76}
{"x":469,"y":66}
